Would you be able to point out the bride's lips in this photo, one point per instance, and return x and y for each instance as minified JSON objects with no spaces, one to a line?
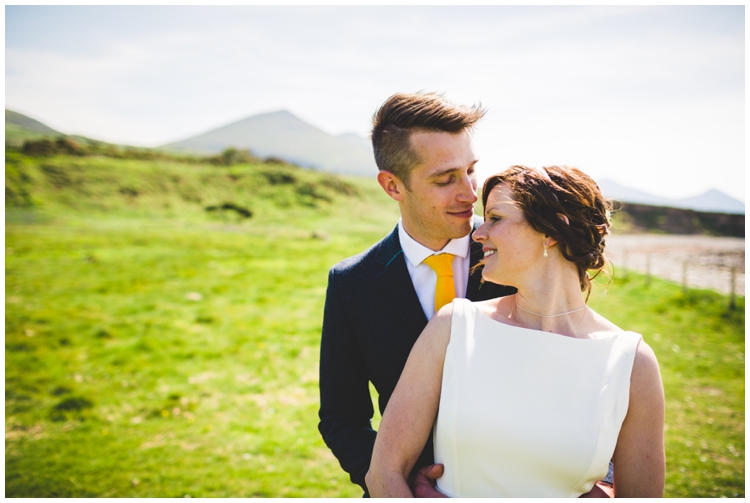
{"x":463,"y":214}
{"x":488,"y":252}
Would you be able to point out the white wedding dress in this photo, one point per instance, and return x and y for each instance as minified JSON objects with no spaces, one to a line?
{"x":525,"y":412}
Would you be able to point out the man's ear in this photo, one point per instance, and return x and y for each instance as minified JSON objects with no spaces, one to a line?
{"x":391,"y":185}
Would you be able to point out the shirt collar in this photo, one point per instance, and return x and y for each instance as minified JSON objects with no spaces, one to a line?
{"x":415,"y":252}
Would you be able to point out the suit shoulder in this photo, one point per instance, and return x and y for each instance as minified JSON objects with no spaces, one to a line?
{"x":360,"y":262}
{"x":351,"y":263}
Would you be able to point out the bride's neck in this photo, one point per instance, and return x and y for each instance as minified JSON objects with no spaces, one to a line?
{"x":551,"y":301}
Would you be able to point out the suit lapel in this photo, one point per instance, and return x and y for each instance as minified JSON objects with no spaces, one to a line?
{"x":395,"y":284}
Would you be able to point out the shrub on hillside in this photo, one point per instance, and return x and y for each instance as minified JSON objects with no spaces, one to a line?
{"x":232,"y":156}
{"x":340,"y":186}
{"x":274,"y":160}
{"x":241,"y":211}
{"x":46,"y":147}
{"x":279,"y":177}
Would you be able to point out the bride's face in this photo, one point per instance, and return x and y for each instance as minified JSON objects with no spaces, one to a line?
{"x":511,"y":246}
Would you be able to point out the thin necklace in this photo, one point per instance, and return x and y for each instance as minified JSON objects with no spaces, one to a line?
{"x":549,"y":315}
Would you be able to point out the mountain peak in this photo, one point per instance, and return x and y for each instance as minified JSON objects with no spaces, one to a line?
{"x":279,"y":113}
{"x":282,"y":134}
{"x":712,"y":192}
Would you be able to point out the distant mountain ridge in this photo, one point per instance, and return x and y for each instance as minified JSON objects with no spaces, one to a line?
{"x":20,"y":128}
{"x":710,"y":201}
{"x":22,"y":121}
{"x":281,"y":134}
{"x":358,"y":141}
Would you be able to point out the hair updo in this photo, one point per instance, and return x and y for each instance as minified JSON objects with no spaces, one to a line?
{"x":543,"y":195}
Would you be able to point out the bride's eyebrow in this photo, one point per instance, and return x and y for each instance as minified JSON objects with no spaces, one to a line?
{"x":497,"y":206}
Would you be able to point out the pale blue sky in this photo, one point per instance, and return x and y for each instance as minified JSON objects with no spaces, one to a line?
{"x":652,"y":97}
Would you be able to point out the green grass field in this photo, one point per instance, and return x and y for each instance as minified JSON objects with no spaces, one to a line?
{"x":700,"y":345}
{"x":156,"y":349}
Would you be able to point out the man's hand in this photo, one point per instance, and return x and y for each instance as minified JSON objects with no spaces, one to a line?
{"x":423,"y":484}
{"x":600,"y":490}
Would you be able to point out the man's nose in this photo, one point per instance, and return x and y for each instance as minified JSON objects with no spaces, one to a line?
{"x":468,"y":191}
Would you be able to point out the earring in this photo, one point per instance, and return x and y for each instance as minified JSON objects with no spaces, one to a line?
{"x":545,"y":250}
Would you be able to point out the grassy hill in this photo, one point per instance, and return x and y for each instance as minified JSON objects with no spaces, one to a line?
{"x":19,"y":128}
{"x":263,"y":192}
{"x":27,"y":123}
{"x":163,"y":323}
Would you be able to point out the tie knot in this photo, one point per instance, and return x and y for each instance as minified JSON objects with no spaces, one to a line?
{"x":442,"y":264}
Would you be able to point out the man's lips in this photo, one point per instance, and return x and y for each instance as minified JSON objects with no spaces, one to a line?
{"x":468,"y":213}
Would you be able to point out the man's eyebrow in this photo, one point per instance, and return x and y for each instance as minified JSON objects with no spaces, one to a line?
{"x":448,"y":171}
{"x":444,"y":172}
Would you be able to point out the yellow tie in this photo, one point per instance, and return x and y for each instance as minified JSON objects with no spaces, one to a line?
{"x":445,"y":290}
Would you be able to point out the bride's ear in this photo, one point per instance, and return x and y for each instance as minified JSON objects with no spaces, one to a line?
{"x":550,"y":241}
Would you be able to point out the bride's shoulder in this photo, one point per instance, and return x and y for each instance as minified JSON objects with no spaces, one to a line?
{"x":602,"y":327}
{"x":437,"y":332}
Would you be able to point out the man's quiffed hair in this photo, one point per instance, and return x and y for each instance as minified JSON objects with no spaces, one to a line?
{"x":403,"y":113}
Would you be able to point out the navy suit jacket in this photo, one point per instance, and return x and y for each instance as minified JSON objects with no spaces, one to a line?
{"x":371,"y":321}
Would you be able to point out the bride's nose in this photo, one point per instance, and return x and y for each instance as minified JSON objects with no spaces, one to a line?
{"x":480,"y":234}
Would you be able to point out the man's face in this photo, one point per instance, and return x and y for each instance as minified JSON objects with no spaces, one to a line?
{"x":439,"y":204}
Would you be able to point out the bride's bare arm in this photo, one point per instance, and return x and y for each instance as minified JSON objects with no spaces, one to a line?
{"x":639,"y":455}
{"x":411,"y":411}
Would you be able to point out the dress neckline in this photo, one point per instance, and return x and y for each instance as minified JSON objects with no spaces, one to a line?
{"x":554,"y":334}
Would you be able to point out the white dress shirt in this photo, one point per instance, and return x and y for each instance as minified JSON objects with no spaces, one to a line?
{"x":424,"y":278}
